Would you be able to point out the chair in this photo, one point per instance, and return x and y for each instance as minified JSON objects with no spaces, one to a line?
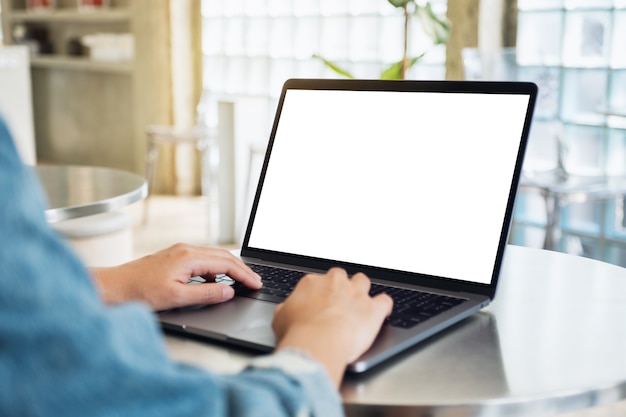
{"x":200,"y":137}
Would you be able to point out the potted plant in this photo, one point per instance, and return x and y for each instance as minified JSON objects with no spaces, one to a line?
{"x":437,"y":27}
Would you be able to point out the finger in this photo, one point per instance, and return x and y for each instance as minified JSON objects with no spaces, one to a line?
{"x":336,"y":272}
{"x":219,"y":261}
{"x":210,"y":293}
{"x":336,"y":276}
{"x":383,"y":304}
{"x":362,"y":282}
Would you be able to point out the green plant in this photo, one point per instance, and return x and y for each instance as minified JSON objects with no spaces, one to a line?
{"x":437,"y":27}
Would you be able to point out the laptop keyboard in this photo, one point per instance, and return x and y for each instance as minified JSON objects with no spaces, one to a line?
{"x":410,"y":307}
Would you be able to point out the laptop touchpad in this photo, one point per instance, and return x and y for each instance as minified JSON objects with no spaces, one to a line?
{"x":239,"y":319}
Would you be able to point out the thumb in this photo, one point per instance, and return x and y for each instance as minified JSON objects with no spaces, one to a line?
{"x":278,"y":308}
{"x":209,"y":293}
{"x":277,"y":321}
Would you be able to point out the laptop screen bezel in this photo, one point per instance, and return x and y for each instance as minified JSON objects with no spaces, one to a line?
{"x":443,"y":283}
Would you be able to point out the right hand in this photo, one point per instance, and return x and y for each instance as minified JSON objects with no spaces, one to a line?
{"x":332,"y":318}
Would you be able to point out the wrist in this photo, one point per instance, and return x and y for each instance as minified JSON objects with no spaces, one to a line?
{"x":106,"y":280}
{"x":331,"y":353}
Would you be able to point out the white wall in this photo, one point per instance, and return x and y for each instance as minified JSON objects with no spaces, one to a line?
{"x":16,"y":99}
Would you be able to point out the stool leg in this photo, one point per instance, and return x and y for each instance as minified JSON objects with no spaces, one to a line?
{"x":151,"y":156}
{"x":203,"y":149}
{"x":209,"y":184}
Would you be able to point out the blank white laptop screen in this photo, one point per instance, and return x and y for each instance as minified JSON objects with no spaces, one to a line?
{"x":410,"y":181}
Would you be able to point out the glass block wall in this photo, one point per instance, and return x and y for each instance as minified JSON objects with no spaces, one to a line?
{"x":574,"y":50}
{"x":251,"y":47}
{"x":570,"y":47}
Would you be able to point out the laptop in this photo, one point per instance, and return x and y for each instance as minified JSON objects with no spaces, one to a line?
{"x":411,"y":182}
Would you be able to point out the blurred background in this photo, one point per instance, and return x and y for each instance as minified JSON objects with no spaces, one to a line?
{"x":101,"y":73}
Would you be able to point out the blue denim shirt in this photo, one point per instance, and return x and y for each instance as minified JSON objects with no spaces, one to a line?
{"x":65,"y":353}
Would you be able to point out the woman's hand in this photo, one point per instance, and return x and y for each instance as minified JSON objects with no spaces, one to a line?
{"x":332,"y":318}
{"x":161,"y":279}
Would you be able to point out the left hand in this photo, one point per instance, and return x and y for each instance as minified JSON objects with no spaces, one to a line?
{"x":161,"y":279}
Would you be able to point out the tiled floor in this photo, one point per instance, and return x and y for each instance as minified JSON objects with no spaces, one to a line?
{"x":185,"y":219}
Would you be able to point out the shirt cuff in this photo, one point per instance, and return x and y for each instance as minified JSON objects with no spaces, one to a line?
{"x":324,"y":400}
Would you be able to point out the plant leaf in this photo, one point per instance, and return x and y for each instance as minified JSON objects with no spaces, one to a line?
{"x":400,"y":3}
{"x":334,"y":67}
{"x":435,"y":26}
{"x":394,"y":71}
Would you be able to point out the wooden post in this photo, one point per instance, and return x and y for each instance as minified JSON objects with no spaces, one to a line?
{"x":463,"y":15}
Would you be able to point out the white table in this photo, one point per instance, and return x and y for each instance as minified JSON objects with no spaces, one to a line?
{"x":76,"y":191}
{"x":553,"y":341}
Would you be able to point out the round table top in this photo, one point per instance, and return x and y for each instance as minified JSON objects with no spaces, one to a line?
{"x":553,"y":340}
{"x":76,"y":191}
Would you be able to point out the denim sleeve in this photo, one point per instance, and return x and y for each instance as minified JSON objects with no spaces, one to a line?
{"x":65,"y":353}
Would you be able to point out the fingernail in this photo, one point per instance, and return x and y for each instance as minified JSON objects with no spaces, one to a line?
{"x":227,"y":292}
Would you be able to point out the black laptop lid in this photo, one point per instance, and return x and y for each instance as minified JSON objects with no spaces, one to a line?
{"x":411,"y":181}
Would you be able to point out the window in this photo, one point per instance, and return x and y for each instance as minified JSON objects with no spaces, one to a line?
{"x":251,"y":47}
{"x":574,"y":50}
